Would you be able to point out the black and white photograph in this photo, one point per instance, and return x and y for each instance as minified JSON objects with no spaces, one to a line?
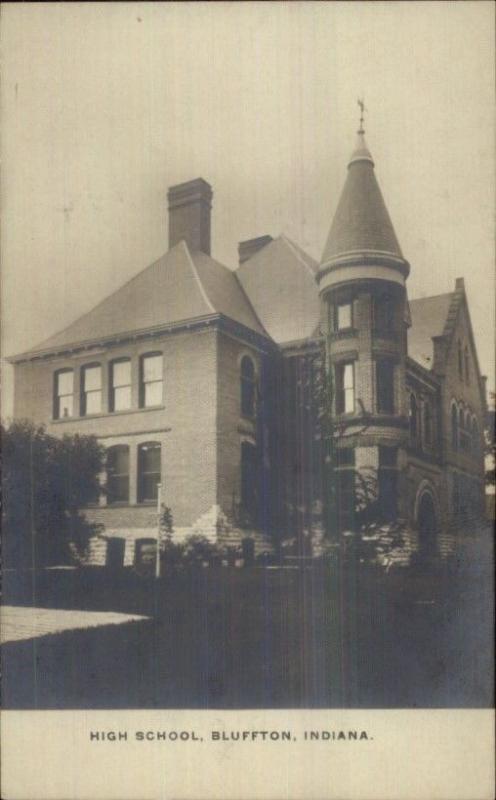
{"x":248,"y":382}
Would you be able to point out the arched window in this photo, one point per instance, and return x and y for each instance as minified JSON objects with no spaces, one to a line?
{"x":467,"y":366}
{"x":91,"y":389}
{"x":249,"y":505}
{"x":118,"y":474}
{"x":63,"y":395}
{"x":413,"y":418}
{"x":475,"y":437}
{"x":460,"y":360}
{"x":454,"y":427}
{"x":461,"y":429}
{"x":149,"y":471}
{"x":247,"y":387}
{"x":428,"y":423}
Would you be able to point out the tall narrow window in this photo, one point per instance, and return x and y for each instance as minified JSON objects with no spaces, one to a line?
{"x":63,"y":405}
{"x":345,"y":388}
{"x":385,"y":386}
{"x":151,"y":384}
{"x":120,"y":385}
{"x":460,"y":360}
{"x":149,"y":471}
{"x":462,"y":440}
{"x":467,"y":366}
{"x":475,"y":438}
{"x":413,"y":418}
{"x":249,"y":505}
{"x":383,"y":312}
{"x":91,"y":389}
{"x":343,"y":315}
{"x":428,"y":423}
{"x":247,"y":387}
{"x":118,"y":474}
{"x":454,"y":427}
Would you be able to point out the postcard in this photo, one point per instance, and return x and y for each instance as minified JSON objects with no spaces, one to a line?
{"x":248,"y":401}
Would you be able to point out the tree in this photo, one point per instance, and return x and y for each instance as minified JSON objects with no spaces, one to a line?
{"x":46,"y":483}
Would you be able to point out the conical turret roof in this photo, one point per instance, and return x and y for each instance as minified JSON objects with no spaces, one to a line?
{"x":361,"y":223}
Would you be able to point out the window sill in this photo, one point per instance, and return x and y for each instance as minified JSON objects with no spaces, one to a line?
{"x":107,"y":414}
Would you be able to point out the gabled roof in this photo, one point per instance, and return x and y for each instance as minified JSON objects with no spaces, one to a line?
{"x":429,"y":316}
{"x":361,"y":223}
{"x":180,"y":286}
{"x":280,"y":282}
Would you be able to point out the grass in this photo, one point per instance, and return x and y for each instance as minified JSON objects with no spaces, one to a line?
{"x":256,"y":638}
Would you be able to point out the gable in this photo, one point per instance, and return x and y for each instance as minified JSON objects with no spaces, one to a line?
{"x":462,"y":360}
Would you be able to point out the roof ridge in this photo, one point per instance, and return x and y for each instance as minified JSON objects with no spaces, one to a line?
{"x":197,"y":276}
{"x":296,"y":250}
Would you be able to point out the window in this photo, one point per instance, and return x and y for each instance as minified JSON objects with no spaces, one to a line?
{"x":384,"y":372}
{"x":149,"y":471}
{"x":63,"y":405}
{"x":151,"y":383}
{"x":247,"y":387}
{"x":345,"y":389}
{"x":475,"y":438}
{"x":383,"y":312}
{"x":460,"y":361}
{"x":428,"y":423}
{"x":91,"y":389}
{"x":345,"y":457}
{"x":120,"y":385}
{"x":454,"y":427}
{"x":463,"y":434}
{"x":343,"y":316}
{"x":249,"y":505}
{"x":467,"y":366}
{"x":118,"y":474}
{"x":413,"y":418}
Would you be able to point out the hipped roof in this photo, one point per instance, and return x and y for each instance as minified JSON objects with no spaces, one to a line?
{"x":180,"y":286}
{"x":280,"y":282}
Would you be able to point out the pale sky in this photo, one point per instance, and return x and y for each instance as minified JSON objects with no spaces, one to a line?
{"x":104,"y":106}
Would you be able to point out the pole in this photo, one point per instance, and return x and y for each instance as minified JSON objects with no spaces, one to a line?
{"x":159,"y":512}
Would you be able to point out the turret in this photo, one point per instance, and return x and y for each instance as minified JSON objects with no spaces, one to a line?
{"x":365,"y":315}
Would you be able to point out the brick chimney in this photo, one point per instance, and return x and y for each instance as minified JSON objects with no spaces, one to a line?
{"x":248,"y":248}
{"x":189,"y":214}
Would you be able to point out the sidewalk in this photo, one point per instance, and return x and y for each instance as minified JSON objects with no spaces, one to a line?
{"x":19,"y":623}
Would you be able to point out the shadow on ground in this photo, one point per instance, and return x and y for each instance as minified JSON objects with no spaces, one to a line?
{"x":259,"y":638}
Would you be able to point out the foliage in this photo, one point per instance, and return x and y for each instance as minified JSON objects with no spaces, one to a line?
{"x":166,"y":521}
{"x":46,"y":483}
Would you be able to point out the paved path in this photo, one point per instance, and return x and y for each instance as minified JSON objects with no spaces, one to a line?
{"x":23,"y":622}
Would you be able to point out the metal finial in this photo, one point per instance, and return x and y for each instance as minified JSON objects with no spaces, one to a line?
{"x":361,"y":104}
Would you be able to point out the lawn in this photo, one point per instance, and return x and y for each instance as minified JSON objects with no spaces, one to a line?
{"x":256,"y":638}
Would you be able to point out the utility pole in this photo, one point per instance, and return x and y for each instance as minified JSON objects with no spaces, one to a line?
{"x":159,"y":527}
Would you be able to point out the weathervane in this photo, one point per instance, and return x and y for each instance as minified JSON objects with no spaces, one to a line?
{"x":361,"y":103}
